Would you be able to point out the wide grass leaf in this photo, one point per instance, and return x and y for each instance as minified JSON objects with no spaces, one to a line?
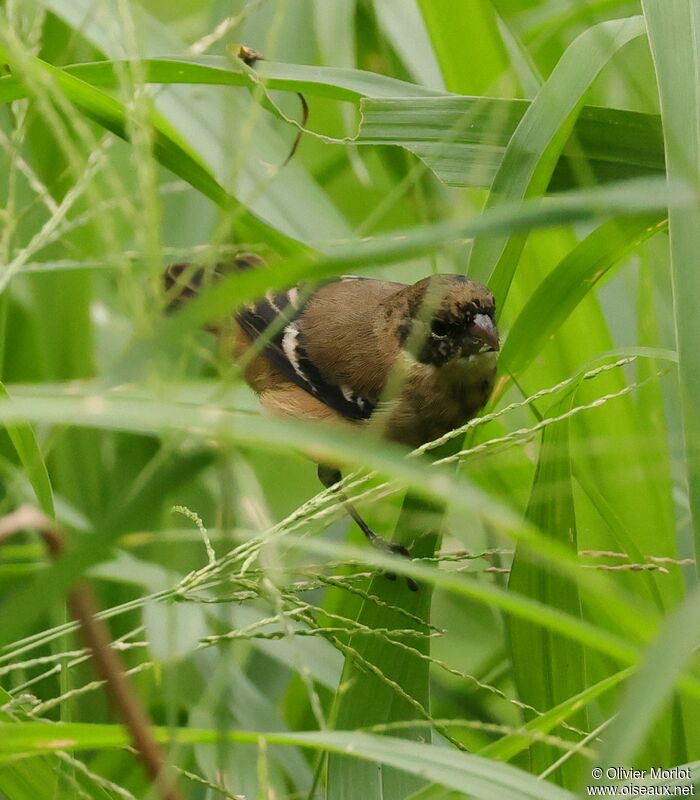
{"x":534,"y":148}
{"x":464,"y":139}
{"x":477,"y":777}
{"x":651,"y":688}
{"x":547,"y":668}
{"x":339,"y":83}
{"x":210,"y":120}
{"x":384,"y":682}
{"x":467,"y":44}
{"x":568,"y":284}
{"x":326,"y":442}
{"x":509,"y":746}
{"x":674,"y":34}
{"x":168,"y":147}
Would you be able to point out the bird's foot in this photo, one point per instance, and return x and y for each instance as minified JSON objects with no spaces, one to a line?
{"x":330,"y":476}
{"x":395,"y":549}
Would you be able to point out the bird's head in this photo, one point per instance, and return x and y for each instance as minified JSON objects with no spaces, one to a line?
{"x":448,"y":317}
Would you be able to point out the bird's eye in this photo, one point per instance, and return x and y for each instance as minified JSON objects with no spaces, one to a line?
{"x":439,"y":328}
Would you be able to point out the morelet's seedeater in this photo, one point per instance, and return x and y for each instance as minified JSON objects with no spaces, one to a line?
{"x":410,"y":361}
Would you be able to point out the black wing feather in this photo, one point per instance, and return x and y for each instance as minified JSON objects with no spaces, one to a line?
{"x":281,"y":311}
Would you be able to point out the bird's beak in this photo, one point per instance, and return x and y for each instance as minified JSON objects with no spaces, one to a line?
{"x":483,"y":331}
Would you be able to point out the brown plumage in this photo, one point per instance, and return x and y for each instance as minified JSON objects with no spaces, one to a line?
{"x":408,"y":362}
{"x":418,"y":359}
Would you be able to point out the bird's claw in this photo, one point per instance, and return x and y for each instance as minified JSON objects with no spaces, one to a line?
{"x":395,"y":549}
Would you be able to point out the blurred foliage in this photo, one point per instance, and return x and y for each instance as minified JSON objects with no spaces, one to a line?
{"x":525,"y":143}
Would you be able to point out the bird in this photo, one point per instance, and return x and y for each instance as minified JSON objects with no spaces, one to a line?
{"x":409,"y":362}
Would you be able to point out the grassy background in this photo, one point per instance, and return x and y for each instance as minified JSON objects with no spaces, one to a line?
{"x":549,"y":148}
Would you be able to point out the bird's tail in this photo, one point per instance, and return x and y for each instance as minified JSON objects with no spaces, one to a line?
{"x":183,"y":281}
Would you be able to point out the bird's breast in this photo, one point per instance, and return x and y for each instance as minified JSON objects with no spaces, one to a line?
{"x":435,"y":400}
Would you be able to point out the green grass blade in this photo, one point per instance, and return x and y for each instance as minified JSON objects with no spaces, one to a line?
{"x":169,"y":147}
{"x":463,"y":139}
{"x":674,"y":34}
{"x":477,"y":777}
{"x":467,"y":44}
{"x":238,"y":146}
{"x":652,"y":686}
{"x":216,"y":302}
{"x":548,"y":669}
{"x":568,"y":284}
{"x":534,"y":148}
{"x":402,"y":24}
{"x":27,"y":447}
{"x":254,"y":614}
{"x":42,"y":777}
{"x":111,"y":412}
{"x":26,"y":780}
{"x":509,"y":746}
{"x":386,"y":683}
{"x":435,"y":792}
{"x":338,"y":83}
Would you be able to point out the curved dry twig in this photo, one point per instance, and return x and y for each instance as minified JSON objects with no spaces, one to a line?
{"x":83,"y":608}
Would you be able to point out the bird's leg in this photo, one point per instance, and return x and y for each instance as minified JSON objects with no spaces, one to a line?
{"x":329,"y":477}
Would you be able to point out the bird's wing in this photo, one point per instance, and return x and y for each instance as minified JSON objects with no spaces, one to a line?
{"x":273,"y":321}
